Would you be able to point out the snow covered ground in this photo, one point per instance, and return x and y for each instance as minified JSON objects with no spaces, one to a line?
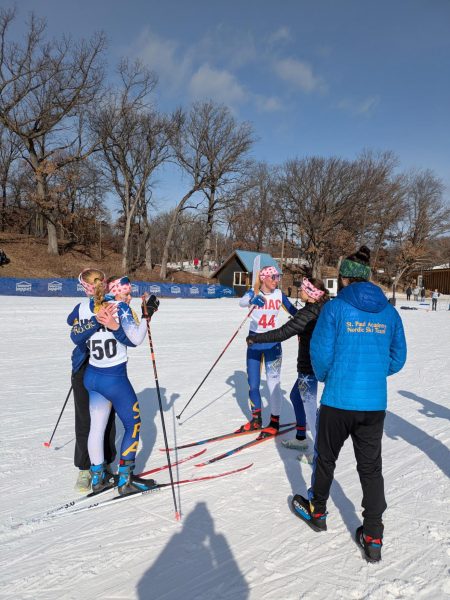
{"x":237,"y":538}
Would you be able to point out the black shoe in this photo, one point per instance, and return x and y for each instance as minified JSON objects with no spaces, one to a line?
{"x":371,"y":546}
{"x":304,"y":510}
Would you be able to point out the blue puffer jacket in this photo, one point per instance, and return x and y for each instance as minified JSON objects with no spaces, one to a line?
{"x":358,"y":341}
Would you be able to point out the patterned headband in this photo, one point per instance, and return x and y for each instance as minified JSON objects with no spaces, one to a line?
{"x":311,"y":290}
{"x":122,"y":285}
{"x":351,"y":268}
{"x":89,"y":288}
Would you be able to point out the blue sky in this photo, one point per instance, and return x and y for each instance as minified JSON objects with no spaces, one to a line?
{"x":315,"y":77}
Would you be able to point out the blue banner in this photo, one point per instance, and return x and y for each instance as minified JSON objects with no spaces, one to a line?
{"x":10,"y":286}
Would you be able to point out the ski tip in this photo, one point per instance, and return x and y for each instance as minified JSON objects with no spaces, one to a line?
{"x":47,"y":444}
{"x":177,"y":516}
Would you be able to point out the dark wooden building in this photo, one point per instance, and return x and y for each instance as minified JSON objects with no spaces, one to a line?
{"x":437,"y":279}
{"x":236,"y":270}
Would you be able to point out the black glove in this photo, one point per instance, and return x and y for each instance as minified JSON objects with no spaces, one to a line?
{"x":151,"y":305}
{"x":251,"y":339}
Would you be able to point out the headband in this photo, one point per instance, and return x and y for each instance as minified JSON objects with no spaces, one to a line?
{"x":89,"y":288}
{"x":268,"y":273}
{"x":351,"y":268}
{"x":121,"y":285}
{"x":311,"y":290}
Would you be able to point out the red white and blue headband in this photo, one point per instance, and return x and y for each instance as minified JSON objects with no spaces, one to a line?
{"x":311,"y":290}
{"x":89,"y":288}
{"x":121,"y":285}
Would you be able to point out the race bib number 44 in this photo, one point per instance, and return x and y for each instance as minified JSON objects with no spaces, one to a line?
{"x":264,"y":323}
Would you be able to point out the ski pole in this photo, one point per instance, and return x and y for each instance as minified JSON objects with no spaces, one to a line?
{"x":155,"y":372}
{"x":219,"y":357}
{"x":47,"y":444}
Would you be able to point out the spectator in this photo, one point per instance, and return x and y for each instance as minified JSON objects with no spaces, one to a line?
{"x":434,"y":298}
{"x":357,"y":343}
{"x":416,"y":292}
{"x":422,"y":293}
{"x":408,"y":292}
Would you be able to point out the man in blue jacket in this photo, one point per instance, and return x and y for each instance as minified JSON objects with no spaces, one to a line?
{"x":357,"y":343}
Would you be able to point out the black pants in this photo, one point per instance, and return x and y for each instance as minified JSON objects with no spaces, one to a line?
{"x":433,"y":303}
{"x":334,"y":426}
{"x":83,"y":423}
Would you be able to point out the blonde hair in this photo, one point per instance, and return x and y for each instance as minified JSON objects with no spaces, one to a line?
{"x":96,"y":278}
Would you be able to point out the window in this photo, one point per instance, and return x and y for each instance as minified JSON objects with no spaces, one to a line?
{"x":240,"y":278}
{"x":330,"y":284}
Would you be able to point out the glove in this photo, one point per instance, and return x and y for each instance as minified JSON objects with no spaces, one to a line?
{"x":257,"y":301}
{"x":151,"y":305}
{"x":250,"y":339}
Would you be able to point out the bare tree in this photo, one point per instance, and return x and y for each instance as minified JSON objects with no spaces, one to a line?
{"x":250,"y":215}
{"x":188,"y":145}
{"x":225,"y":148}
{"x":427,"y":217}
{"x":134,"y":140}
{"x":45,"y":87}
{"x":9,"y":153}
{"x":318,"y":196}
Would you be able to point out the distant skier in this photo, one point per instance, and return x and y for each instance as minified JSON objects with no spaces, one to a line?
{"x":304,"y":392}
{"x":434,"y":298}
{"x":357,"y":343}
{"x":83,"y":321}
{"x":268,"y":304}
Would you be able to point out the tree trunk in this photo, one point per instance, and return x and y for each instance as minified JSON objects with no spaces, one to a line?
{"x":52,"y":247}
{"x":165,"y":256}
{"x":208,"y":234}
{"x":317,"y":264}
{"x":42,"y":194}
{"x":126,"y":245}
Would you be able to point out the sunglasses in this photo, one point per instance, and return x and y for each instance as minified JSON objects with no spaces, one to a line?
{"x":124,"y":280}
{"x":275,"y":277}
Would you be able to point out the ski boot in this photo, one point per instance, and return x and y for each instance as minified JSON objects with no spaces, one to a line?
{"x":370,"y":545}
{"x":83,"y":483}
{"x":253,"y":425}
{"x":299,"y":442}
{"x":306,"y":458}
{"x":304,"y":509}
{"x":129,"y":483}
{"x":99,"y":478}
{"x":272,"y":428}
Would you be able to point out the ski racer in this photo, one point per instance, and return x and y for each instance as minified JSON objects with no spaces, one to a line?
{"x":267,"y":303}
{"x":84,"y":320}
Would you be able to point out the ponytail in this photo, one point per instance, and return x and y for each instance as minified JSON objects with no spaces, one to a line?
{"x":99,"y":294}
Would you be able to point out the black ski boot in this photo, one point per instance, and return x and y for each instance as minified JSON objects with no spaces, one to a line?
{"x":371,"y":546}
{"x":129,"y":483}
{"x":304,"y":509}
